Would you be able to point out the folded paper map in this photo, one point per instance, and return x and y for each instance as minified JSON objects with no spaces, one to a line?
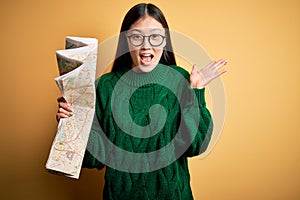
{"x":77,"y":68}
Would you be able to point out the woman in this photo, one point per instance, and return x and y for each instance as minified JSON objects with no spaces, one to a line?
{"x":145,"y":64}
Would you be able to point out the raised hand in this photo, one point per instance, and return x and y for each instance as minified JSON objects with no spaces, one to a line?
{"x":200,"y":78}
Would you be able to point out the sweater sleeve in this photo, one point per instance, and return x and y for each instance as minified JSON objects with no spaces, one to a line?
{"x":202,"y":126}
{"x":196,"y":124}
{"x":91,"y":157}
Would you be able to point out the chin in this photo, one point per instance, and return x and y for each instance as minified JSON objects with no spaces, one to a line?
{"x":144,"y":68}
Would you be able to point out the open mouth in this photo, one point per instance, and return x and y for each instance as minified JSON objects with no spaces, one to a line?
{"x":146,"y":58}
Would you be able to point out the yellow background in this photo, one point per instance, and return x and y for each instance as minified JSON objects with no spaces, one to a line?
{"x":257,"y":156}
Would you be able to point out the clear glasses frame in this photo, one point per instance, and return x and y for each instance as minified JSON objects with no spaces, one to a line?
{"x":154,"y":40}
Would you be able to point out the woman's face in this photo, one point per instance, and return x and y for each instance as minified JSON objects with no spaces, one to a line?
{"x":146,"y":52}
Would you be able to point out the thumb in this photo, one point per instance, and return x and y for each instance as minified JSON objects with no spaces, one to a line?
{"x":194,"y":69}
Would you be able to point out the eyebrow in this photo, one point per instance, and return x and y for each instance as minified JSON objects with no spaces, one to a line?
{"x":151,"y":30}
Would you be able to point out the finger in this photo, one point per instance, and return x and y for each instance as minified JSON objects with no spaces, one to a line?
{"x":64,"y":112}
{"x":223,"y":71}
{"x":61,"y":99}
{"x":63,"y":103}
{"x":211,"y":64}
{"x":221,"y":60}
{"x":61,"y":115}
{"x":195,"y":69}
{"x":218,"y":70}
{"x":216,"y":75}
{"x":220,"y":63}
{"x":65,"y":106}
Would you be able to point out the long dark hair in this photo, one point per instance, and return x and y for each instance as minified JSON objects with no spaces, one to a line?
{"x":123,"y":58}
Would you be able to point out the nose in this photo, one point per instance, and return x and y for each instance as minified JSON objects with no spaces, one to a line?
{"x":146,"y":44}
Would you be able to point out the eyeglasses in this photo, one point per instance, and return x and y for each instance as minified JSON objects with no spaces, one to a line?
{"x":155,"y":40}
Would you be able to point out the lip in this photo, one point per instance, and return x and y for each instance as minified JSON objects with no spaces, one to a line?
{"x":146,"y":54}
{"x":145,"y":60}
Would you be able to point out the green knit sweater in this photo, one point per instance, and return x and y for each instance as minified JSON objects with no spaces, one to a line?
{"x":129,"y":118}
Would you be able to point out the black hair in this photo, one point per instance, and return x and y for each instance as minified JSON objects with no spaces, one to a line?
{"x":123,"y":58}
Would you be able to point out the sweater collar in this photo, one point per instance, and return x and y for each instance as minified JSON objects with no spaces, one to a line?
{"x":158,"y":75}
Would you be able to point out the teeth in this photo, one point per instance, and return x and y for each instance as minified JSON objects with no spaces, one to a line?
{"x":146,"y":54}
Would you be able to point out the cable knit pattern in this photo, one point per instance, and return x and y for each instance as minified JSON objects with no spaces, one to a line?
{"x":172,"y":181}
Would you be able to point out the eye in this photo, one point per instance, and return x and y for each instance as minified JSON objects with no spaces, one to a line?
{"x":155,"y":36}
{"x":137,"y":37}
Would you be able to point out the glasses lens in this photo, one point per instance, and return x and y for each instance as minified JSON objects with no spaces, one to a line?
{"x":136,"y":39}
{"x":156,"y":39}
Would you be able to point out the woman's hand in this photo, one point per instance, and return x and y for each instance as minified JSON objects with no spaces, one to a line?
{"x":64,"y":109}
{"x":199,"y":79}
